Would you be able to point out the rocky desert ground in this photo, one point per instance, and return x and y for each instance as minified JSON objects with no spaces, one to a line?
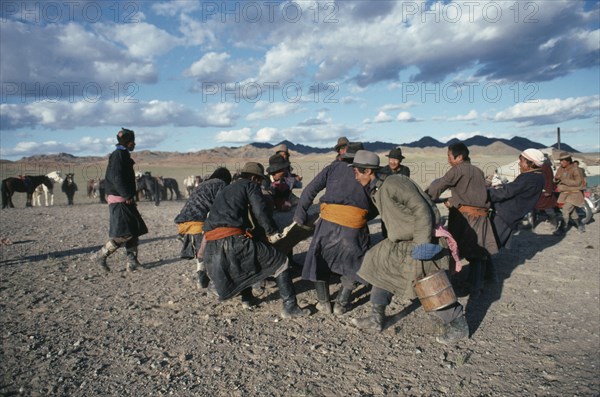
{"x":70,"y":329}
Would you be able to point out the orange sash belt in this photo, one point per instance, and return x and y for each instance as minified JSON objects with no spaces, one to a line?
{"x":473,"y":211}
{"x":192,"y":227}
{"x":222,"y":232}
{"x":344,"y":215}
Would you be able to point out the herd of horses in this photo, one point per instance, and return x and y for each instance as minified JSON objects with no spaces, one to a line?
{"x":149,"y":187}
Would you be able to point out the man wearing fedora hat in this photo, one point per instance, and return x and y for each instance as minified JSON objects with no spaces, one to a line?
{"x":570,"y":183}
{"x":234,"y":258}
{"x":395,"y":166}
{"x":341,"y":146}
{"x":341,"y":236}
{"x":410,"y":251}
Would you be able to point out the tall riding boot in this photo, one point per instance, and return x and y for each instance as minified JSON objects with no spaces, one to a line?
{"x":342,"y":303}
{"x":476,"y":273}
{"x":132,"y":259}
{"x":374,"y":321}
{"x":288,"y":296}
{"x":203,"y":279}
{"x":580,"y":225}
{"x":561,"y":229}
{"x":99,"y":257}
{"x":324,"y":305}
{"x":458,"y":329}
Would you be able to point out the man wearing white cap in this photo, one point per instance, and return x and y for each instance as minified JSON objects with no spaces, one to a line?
{"x":514,"y":200}
{"x":570,"y":183}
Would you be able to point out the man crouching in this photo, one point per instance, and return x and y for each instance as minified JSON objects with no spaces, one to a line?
{"x":394,"y":264}
{"x":234,"y":259}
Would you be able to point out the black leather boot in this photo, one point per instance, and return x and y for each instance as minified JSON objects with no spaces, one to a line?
{"x":561,"y":229}
{"x":374,"y":321}
{"x":99,"y":257}
{"x":132,"y":259}
{"x":342,"y":303}
{"x":202,"y":277}
{"x":322,"y":289}
{"x":580,"y":226}
{"x":455,"y":331}
{"x":288,"y":296}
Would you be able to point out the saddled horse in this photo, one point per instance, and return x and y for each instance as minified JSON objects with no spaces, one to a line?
{"x":171,"y":186}
{"x":55,"y":176}
{"x":191,"y":182}
{"x":69,"y":187}
{"x":149,"y":185}
{"x":25,"y":184}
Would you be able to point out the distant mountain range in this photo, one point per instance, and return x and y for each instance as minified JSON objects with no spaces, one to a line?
{"x":261,"y":149}
{"x":427,"y":141}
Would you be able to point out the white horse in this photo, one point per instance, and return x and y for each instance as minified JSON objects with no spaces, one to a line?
{"x":55,"y":176}
{"x":190,"y":183}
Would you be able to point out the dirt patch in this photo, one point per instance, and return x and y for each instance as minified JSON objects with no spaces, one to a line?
{"x":69,"y":329}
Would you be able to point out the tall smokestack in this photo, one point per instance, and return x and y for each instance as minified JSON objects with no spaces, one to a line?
{"x":558,"y":138}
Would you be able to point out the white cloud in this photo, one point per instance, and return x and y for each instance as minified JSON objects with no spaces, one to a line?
{"x":551,"y":111}
{"x":242,"y":135}
{"x":268,"y":110}
{"x":405,"y":117}
{"x":382,"y":117}
{"x":64,"y":115}
{"x":472,"y":115}
{"x":268,"y":134}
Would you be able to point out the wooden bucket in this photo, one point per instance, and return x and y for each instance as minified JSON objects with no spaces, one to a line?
{"x":435,"y":291}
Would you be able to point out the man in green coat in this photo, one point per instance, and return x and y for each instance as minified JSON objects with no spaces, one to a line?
{"x":410,"y":250}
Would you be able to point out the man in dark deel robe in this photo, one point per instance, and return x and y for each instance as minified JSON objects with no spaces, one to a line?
{"x":410,"y":252}
{"x":190,"y":220}
{"x":234,"y":259}
{"x":126,"y":223}
{"x":468,"y":220}
{"x":341,"y":236}
{"x":514,"y":200}
{"x":395,"y":166}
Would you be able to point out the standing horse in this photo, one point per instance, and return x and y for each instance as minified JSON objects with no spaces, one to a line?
{"x":149,"y":184}
{"x":42,"y":189}
{"x":69,"y":187}
{"x":190,"y":183}
{"x":26,"y":184}
{"x":171,"y":186}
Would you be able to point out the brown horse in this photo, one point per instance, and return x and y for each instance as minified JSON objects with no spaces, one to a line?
{"x":26,"y":184}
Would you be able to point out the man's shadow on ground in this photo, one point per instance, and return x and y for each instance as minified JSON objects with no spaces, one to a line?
{"x":522,"y":247}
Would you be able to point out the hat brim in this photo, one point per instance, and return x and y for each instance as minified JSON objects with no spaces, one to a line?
{"x":395,"y":157}
{"x":277,"y":168}
{"x":369,"y":166}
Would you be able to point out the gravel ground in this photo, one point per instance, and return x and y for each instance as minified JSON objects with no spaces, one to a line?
{"x":69,"y":329}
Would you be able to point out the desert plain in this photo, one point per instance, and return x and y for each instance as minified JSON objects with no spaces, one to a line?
{"x":70,"y":329}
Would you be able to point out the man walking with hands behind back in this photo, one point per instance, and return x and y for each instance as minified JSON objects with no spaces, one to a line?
{"x":126,"y":223}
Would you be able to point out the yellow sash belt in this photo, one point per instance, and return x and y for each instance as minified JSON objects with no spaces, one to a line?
{"x":192,"y":227}
{"x":344,"y":215}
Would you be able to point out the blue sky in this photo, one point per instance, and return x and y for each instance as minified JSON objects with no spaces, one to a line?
{"x":191,"y":75}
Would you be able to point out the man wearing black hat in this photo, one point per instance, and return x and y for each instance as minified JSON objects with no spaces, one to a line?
{"x":341,"y":147}
{"x":409,"y":252}
{"x":341,"y":236}
{"x":394,"y":166}
{"x":126,"y":223}
{"x":279,"y":188}
{"x":234,"y":258}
